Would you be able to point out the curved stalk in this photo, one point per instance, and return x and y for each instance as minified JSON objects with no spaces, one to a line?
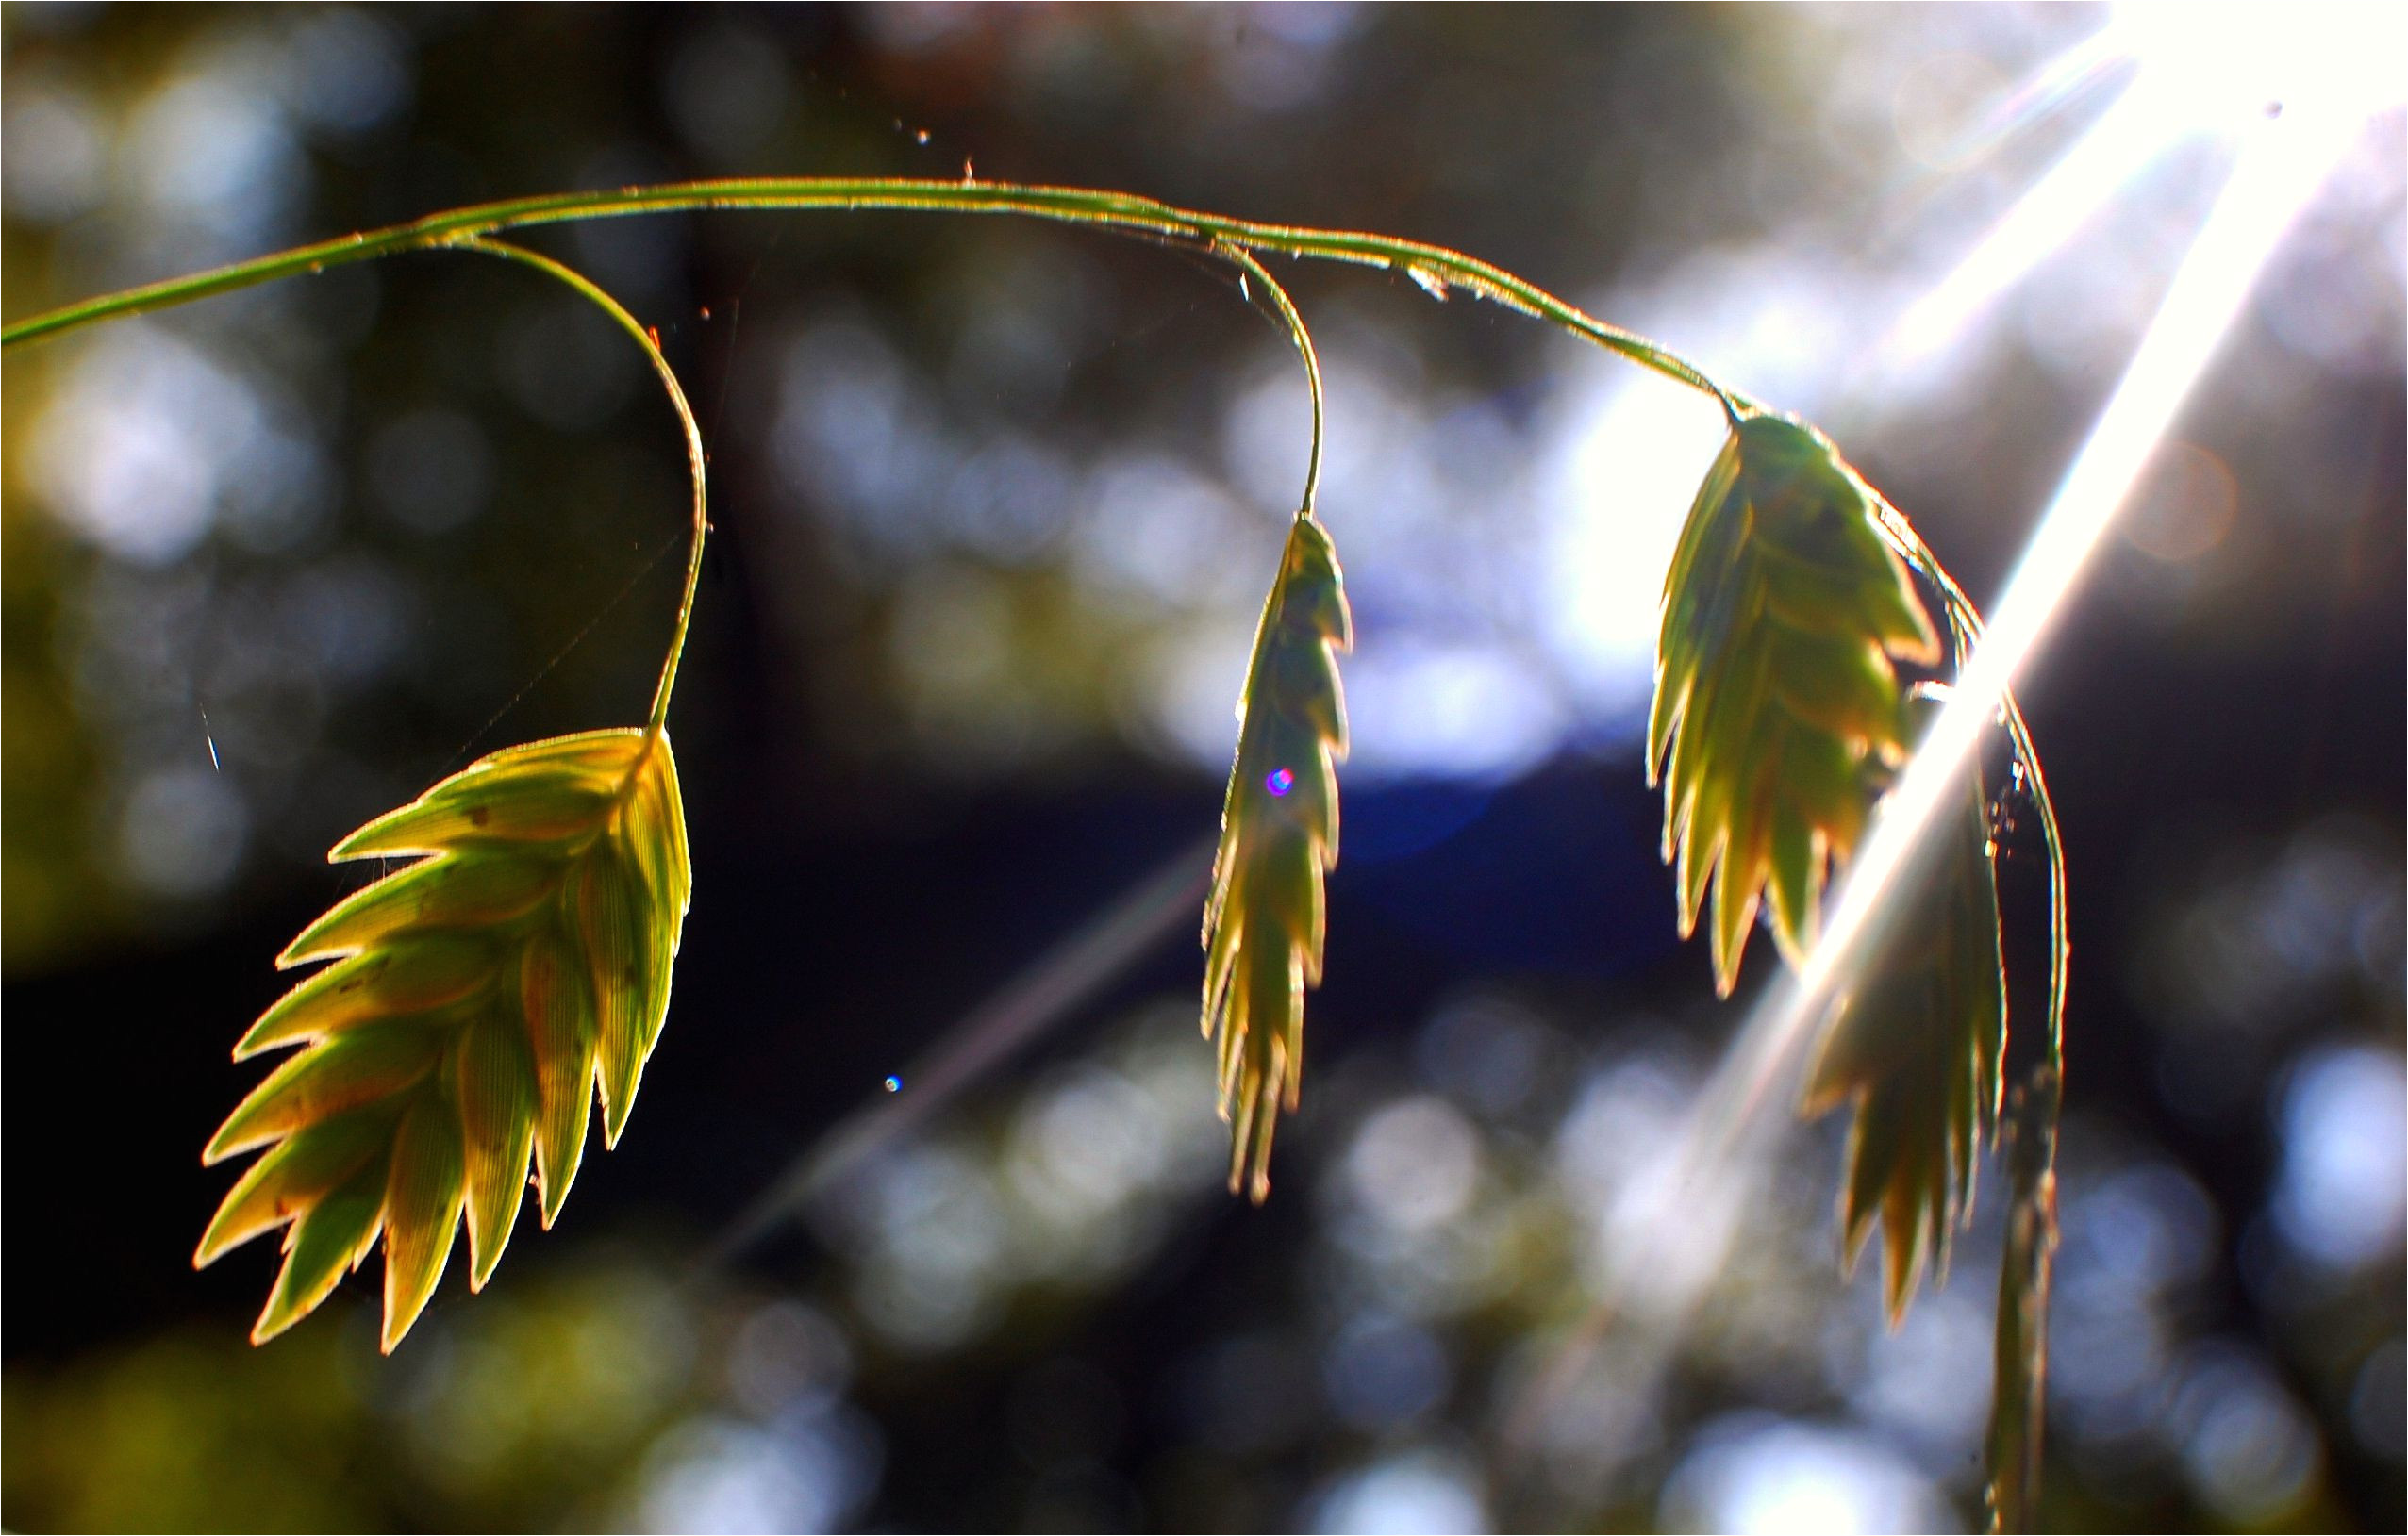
{"x":634,"y":328}
{"x":1068,"y":205}
{"x":2018,"y":1403}
{"x":1965,"y":623}
{"x":1304,"y":340}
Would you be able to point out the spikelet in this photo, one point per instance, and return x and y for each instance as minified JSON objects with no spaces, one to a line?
{"x":477,"y":999}
{"x":1264,"y":921}
{"x":1915,"y":1046}
{"x":1775,"y":693}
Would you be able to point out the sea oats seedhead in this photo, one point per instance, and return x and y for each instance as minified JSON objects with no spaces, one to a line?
{"x":1775,"y":692}
{"x":477,"y":999}
{"x":1264,"y":921}
{"x":1915,"y":1047}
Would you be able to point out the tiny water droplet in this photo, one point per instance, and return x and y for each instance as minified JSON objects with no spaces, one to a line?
{"x":922,"y":135}
{"x":895,"y":1085}
{"x":1428,"y":282}
{"x":1279,"y":781}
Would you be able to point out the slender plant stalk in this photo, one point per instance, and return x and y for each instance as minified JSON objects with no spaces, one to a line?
{"x":1965,"y":624}
{"x":1067,"y":205}
{"x":644,"y":339}
{"x":1286,"y":307}
{"x":2018,"y":1401}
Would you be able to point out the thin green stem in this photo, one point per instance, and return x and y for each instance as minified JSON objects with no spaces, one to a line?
{"x":1964,"y":626}
{"x":2018,"y":1404}
{"x":1966,"y":621}
{"x":1304,"y":340}
{"x":1428,"y":264}
{"x":645,"y":339}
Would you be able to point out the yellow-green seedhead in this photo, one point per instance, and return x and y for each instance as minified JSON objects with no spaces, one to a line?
{"x":477,"y":999}
{"x":1775,"y":692}
{"x":1916,"y":1047}
{"x":1264,"y":923}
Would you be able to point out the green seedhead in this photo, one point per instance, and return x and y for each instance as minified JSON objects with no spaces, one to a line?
{"x":1915,"y":1048}
{"x":1265,"y":920}
{"x":477,"y":1000}
{"x":1775,"y":693}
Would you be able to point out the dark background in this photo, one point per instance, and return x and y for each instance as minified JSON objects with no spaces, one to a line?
{"x":994,"y":508}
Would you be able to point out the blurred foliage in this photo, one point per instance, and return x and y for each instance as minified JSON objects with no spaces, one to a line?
{"x":994,"y":505}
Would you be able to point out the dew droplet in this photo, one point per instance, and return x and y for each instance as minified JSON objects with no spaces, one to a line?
{"x":1428,"y":282}
{"x":1279,"y":781}
{"x":895,"y":1085}
{"x":922,"y":135}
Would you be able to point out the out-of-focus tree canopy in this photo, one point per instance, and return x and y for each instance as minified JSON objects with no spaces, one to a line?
{"x":995,"y":507}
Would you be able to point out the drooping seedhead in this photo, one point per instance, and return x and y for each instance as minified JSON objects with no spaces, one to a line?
{"x":477,"y":1000}
{"x":1915,"y":1044}
{"x":1780,"y":717}
{"x":1265,"y":920}
{"x":1776,"y":692}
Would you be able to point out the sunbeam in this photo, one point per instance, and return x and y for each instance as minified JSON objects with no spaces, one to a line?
{"x":1669,"y":1248}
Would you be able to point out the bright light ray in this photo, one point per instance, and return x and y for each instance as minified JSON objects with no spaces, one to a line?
{"x":1669,"y":1243}
{"x":1048,"y":993}
{"x":2200,"y":67}
{"x":2104,"y":158}
{"x":2043,"y":93}
{"x":2276,"y":176}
